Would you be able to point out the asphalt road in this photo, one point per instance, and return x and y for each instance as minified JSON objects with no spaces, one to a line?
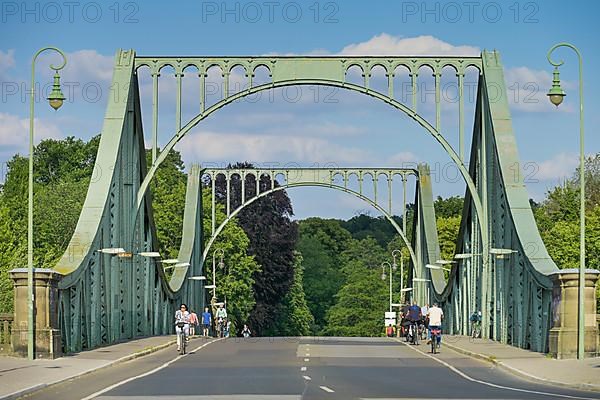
{"x":304,"y":368}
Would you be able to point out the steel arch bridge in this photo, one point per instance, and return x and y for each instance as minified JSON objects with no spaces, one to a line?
{"x":104,"y":299}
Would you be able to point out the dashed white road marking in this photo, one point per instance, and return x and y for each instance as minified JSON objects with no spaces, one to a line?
{"x":306,"y":359}
{"x":133,"y":378}
{"x":303,"y":369}
{"x":467,"y":377}
{"x":325,"y":388}
{"x":306,"y":377}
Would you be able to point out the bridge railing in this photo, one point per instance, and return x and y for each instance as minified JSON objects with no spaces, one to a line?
{"x":6,"y":323}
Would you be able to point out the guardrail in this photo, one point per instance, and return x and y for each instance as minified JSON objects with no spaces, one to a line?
{"x":6,"y":322}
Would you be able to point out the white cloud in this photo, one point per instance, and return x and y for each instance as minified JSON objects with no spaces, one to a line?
{"x":215,"y":146}
{"x":386,"y":44}
{"x":557,"y":168}
{"x":14,"y":131}
{"x":526,"y":90}
{"x":402,"y":159}
{"x":83,"y":66}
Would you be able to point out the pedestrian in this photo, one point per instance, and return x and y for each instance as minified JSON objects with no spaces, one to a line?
{"x":389,"y":331}
{"x":435,"y":320}
{"x":206,"y":322}
{"x":227,"y":328}
{"x":193,"y":322}
{"x":425,"y":319}
{"x":246,"y":331}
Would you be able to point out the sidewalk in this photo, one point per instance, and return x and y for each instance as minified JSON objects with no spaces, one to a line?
{"x":530,"y":365}
{"x":19,"y":376}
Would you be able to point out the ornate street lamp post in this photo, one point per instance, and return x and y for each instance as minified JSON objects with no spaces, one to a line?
{"x":394,"y":255}
{"x":556,"y":96}
{"x":392,"y":268}
{"x":55,"y":99}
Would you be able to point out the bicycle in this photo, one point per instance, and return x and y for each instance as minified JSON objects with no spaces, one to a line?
{"x":182,"y":338}
{"x":476,"y":329}
{"x":413,"y":333}
{"x":435,"y":334}
{"x":220,"y":328}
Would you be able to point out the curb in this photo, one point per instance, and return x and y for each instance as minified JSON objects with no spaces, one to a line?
{"x":520,"y":373}
{"x":35,"y":388}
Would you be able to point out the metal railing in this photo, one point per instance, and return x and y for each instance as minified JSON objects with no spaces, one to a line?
{"x":6,"y":322}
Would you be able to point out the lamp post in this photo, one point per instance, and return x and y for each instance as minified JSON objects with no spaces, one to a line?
{"x":56,"y":100}
{"x":394,"y":254}
{"x":556,"y":96}
{"x":214,"y":284}
{"x":383,"y":264}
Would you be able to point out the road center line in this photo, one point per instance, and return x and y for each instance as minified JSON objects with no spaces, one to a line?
{"x":303,"y":369}
{"x":133,"y":378}
{"x":306,"y":377}
{"x":467,"y":377}
{"x":328,"y":390}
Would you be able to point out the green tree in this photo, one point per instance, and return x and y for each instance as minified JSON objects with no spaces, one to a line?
{"x":321,"y":243}
{"x":168,"y":200}
{"x":447,"y":234}
{"x":363,"y":298}
{"x":12,"y":254}
{"x":272,"y":234}
{"x":235,"y":280}
{"x":296,"y":318}
{"x":363,"y":226}
{"x":448,"y":207}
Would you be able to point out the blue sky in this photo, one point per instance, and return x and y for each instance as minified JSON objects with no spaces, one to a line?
{"x":323,"y":126}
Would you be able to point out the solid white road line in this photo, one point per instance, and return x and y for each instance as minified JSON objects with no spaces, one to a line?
{"x":467,"y":377}
{"x":328,"y":390}
{"x":133,"y":378}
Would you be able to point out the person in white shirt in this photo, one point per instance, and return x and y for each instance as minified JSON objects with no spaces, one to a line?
{"x":435,"y":315}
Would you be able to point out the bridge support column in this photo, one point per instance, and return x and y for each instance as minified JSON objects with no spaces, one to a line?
{"x":563,"y":335}
{"x":47,"y":333}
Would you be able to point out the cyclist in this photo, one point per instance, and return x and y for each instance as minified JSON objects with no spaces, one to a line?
{"x":221,"y":319}
{"x":414,"y":316}
{"x":475,"y":324}
{"x":182,"y":315}
{"x":435,"y":321}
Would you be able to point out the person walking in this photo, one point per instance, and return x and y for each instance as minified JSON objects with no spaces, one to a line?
{"x":246,"y":331}
{"x":206,"y":322}
{"x":425,"y":319}
{"x":193,"y":322}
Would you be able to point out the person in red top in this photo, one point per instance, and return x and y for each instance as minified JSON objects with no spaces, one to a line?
{"x":193,"y":322}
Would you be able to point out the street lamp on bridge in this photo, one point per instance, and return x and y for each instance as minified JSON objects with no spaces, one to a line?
{"x":556,"y":96}
{"x":394,"y":255}
{"x":55,"y":100}
{"x":392,"y":268}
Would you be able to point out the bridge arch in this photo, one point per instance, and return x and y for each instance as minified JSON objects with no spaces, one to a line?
{"x":433,"y":131}
{"x":362,"y":197}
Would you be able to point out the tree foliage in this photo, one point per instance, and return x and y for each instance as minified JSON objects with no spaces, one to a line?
{"x":321,"y":243}
{"x":296,"y":318}
{"x":363,"y":298}
{"x":273,"y":235}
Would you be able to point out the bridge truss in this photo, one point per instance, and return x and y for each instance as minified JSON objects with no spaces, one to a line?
{"x":105,"y":298}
